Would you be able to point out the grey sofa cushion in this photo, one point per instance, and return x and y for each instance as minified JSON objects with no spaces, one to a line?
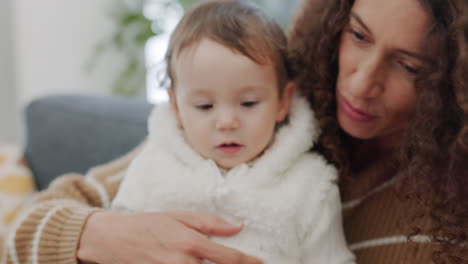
{"x":71,"y":133}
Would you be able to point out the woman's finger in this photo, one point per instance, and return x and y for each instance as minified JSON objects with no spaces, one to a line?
{"x":203,"y":247}
{"x":220,"y":254}
{"x":172,"y":256}
{"x":206,"y":224}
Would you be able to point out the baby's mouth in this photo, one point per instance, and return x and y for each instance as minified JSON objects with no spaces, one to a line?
{"x":229,"y":148}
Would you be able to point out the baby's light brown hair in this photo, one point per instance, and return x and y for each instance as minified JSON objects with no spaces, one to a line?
{"x":237,"y":25}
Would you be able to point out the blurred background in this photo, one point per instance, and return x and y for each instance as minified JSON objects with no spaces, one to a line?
{"x":102,"y":47}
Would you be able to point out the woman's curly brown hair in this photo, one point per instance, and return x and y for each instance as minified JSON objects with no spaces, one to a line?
{"x":434,"y":151}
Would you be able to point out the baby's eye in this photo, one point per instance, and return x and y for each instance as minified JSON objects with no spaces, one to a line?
{"x":249,"y":103}
{"x":205,"y":107}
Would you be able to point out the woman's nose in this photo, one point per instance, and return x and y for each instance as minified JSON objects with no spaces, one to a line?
{"x":368,"y":79}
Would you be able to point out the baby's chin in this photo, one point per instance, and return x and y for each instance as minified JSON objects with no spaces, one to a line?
{"x":227,"y":165}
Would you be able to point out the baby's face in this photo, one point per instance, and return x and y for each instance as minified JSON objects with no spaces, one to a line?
{"x":226,"y":104}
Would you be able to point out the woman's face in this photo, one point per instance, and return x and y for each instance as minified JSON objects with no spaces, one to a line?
{"x":381,"y":52}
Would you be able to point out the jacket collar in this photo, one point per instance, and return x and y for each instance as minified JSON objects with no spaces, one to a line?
{"x":293,"y":138}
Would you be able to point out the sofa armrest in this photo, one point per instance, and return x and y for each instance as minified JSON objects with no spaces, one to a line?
{"x":71,"y":133}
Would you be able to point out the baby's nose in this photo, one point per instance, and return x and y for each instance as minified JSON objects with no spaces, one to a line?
{"x":227,"y":120}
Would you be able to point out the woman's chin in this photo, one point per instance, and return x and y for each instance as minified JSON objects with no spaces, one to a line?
{"x":358,"y":131}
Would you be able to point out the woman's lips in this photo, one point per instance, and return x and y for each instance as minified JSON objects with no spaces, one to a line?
{"x":229,"y":148}
{"x":353,"y":113}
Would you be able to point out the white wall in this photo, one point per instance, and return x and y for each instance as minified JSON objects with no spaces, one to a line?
{"x":54,"y":42}
{"x":8,"y":108}
{"x":44,"y":49}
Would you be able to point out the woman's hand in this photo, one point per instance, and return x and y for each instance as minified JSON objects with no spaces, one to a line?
{"x":175,"y":238}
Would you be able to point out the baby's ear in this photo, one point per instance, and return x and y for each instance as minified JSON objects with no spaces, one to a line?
{"x":285,"y":101}
{"x":174,"y":107}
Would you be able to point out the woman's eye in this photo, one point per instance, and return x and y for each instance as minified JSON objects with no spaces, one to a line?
{"x":249,"y":103}
{"x":204,"y":107}
{"x":409,"y":69}
{"x":357,"y":36}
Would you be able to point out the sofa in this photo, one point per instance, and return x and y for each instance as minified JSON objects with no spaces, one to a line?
{"x":71,"y":133}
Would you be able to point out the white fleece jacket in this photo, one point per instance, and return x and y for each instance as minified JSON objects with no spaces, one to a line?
{"x":287,"y":198}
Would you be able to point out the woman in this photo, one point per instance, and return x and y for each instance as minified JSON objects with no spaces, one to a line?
{"x":387,"y":80}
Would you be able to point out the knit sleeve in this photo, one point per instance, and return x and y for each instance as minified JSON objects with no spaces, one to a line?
{"x":325,"y":241}
{"x":49,"y":230}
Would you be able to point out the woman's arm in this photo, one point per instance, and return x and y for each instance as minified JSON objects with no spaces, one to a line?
{"x":163,"y":237}
{"x":48,"y":230}
{"x":70,"y":221}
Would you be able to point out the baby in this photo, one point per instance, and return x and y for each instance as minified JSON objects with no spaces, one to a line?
{"x":234,"y":141}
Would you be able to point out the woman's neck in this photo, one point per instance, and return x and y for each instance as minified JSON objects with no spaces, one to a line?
{"x":371,"y":166}
{"x":364,"y":153}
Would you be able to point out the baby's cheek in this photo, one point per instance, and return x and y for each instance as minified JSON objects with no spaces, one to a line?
{"x":264,"y":134}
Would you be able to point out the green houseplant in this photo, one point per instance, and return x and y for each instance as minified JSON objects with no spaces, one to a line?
{"x":133,"y":28}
